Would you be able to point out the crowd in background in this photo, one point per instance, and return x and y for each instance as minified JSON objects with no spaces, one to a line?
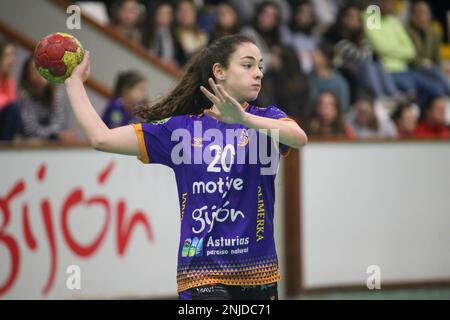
{"x":324,"y":65}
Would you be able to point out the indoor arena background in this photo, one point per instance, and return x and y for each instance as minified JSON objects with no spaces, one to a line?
{"x":360,"y":214}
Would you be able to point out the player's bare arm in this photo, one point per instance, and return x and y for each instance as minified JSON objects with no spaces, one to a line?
{"x":121,"y":140}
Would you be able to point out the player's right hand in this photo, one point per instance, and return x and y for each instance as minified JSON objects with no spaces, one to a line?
{"x":82,"y":70}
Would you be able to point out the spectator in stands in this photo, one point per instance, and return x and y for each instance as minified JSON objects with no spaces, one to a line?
{"x":126,"y":16}
{"x":354,"y":58}
{"x":427,"y":42}
{"x":326,"y":78}
{"x":434,"y":120}
{"x":247,"y":9}
{"x":227,"y":22}
{"x":366,"y":122}
{"x":159,"y":36}
{"x":440,"y":16}
{"x":207,"y":16}
{"x":189,"y":36}
{"x":282,"y":82}
{"x":405,"y":119}
{"x":326,"y":12}
{"x":265,"y":30}
{"x":9,"y":109}
{"x":42,"y":111}
{"x":301,"y":34}
{"x":394,"y":47}
{"x":291,"y":86}
{"x":130,"y":90}
{"x":326,"y":119}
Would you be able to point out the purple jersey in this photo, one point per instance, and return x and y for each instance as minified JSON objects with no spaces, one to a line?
{"x":227,"y":205}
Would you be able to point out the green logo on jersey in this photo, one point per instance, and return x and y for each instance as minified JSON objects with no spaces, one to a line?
{"x":186,"y":247}
{"x":192,"y":247}
{"x":160,"y":121}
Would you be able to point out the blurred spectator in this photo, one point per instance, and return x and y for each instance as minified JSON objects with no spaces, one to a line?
{"x":290,"y":85}
{"x":405,"y":119}
{"x":326,"y":119}
{"x":394,"y":47}
{"x":427,"y":43}
{"x":9,"y":109}
{"x":326,"y":12}
{"x":301,"y":34}
{"x":440,"y":13}
{"x":283,"y":81}
{"x":227,"y":22}
{"x":126,"y":16}
{"x":434,"y":124}
{"x":365,"y":121}
{"x":265,"y":31}
{"x":207,"y":17}
{"x":326,"y":78}
{"x":97,"y":10}
{"x":247,"y":9}
{"x":354,"y":58}
{"x":190,"y":37}
{"x":130,"y":90}
{"x":159,"y":36}
{"x":43,"y":115}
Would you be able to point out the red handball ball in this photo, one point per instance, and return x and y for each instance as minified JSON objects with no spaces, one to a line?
{"x":56,"y":55}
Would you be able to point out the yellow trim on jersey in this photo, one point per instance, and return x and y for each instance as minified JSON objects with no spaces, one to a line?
{"x":285,"y":154}
{"x":142,"y":149}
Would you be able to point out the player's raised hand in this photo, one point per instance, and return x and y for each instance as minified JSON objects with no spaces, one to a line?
{"x":225,"y":108}
{"x":82,"y":70}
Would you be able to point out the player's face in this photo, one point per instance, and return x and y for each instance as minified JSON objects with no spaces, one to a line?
{"x":242,"y":78}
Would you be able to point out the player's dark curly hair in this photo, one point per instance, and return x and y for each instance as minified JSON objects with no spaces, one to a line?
{"x":186,"y":97}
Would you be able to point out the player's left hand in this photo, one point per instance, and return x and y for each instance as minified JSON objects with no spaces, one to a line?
{"x":225,"y":108}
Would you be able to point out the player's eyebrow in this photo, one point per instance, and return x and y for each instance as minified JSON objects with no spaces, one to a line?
{"x":251,"y":58}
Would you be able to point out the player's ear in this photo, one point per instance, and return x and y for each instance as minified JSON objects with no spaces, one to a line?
{"x":218,"y":71}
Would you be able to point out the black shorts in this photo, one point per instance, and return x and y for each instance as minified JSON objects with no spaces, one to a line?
{"x":220,"y":291}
